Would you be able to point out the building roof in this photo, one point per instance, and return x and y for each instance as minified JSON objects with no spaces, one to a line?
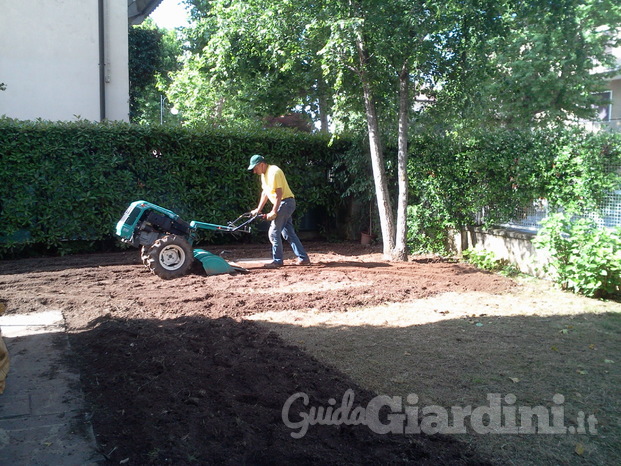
{"x":138,"y":10}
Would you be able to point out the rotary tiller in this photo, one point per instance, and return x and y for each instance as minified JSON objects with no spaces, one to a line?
{"x":165,"y":240}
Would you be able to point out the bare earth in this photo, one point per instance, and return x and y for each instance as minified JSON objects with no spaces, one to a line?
{"x":197,"y":370}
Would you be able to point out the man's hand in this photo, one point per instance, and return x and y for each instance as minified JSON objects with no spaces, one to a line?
{"x":271,"y":216}
{"x":254,"y":212}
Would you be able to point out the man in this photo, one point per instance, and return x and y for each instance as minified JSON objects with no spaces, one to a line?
{"x":275,"y":188}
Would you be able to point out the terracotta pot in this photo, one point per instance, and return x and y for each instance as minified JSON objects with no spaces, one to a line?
{"x":366,"y":238}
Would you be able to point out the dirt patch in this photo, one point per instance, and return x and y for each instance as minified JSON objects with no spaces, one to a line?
{"x":197,"y":370}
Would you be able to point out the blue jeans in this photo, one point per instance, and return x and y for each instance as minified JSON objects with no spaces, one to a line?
{"x":283,"y":226}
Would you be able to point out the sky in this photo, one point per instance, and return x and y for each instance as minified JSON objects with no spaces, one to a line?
{"x":170,"y":14}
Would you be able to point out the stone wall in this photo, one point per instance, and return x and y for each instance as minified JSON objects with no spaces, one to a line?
{"x":513,"y":245}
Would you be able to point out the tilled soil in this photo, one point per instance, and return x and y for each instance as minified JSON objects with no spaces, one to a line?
{"x":175,"y":372}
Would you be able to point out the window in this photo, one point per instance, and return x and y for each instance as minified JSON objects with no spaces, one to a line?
{"x":604,"y":107}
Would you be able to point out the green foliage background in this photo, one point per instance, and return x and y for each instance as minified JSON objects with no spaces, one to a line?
{"x":489,"y":177}
{"x":154,"y":53}
{"x":584,"y":258}
{"x":63,"y":182}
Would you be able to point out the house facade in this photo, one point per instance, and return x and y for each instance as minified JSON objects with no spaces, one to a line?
{"x":609,"y":112}
{"x":64,"y":60}
{"x":613,"y":120}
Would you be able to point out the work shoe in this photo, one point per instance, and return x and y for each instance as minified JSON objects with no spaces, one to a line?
{"x":272,"y":265}
{"x":303,"y":262}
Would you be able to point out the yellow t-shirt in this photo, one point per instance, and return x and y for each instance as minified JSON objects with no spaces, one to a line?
{"x":272,"y":179}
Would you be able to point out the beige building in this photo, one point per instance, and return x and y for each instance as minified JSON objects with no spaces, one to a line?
{"x":64,"y":60}
{"x":609,"y":115}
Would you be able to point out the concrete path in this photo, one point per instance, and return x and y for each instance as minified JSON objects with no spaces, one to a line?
{"x":42,"y":416}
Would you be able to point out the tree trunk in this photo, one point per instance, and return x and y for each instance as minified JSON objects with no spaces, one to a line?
{"x":386,"y":215}
{"x":323,"y":105}
{"x":400,"y":252}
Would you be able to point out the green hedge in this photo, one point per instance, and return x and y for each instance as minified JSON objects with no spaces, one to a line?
{"x":64,"y":182}
{"x":489,"y":177}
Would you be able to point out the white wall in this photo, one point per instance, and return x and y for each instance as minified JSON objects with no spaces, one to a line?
{"x":49,"y":59}
{"x":117,"y":58}
{"x":514,"y":246}
{"x":615,"y":87}
{"x":615,"y":114}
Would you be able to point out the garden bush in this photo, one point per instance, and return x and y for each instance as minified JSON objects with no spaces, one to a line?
{"x":63,"y":183}
{"x":487,"y":178}
{"x":584,"y":258}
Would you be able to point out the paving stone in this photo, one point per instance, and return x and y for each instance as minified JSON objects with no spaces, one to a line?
{"x":42,"y":413}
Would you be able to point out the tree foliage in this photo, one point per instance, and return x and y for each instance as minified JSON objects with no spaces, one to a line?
{"x":153,"y":54}
{"x":362,"y":64}
{"x":509,"y":62}
{"x":540,"y":64}
{"x":251,"y":60}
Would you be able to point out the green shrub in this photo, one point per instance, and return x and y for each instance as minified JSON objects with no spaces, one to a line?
{"x":487,"y":178}
{"x":482,"y":259}
{"x":71,"y":182}
{"x":487,"y":260}
{"x":426,"y":232}
{"x":480,"y":177}
{"x":585,"y":259}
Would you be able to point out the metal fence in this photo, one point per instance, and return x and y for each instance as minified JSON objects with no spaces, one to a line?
{"x":613,"y":124}
{"x":530,"y":218}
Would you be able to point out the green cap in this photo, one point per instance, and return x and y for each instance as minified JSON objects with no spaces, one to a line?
{"x":255,"y":160}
